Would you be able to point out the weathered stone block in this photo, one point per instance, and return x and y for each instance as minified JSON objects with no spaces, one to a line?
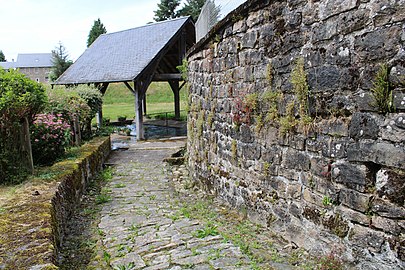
{"x":249,"y":40}
{"x":294,"y":159}
{"x":312,"y":197}
{"x":399,"y":99}
{"x":250,"y":151}
{"x":366,"y":238}
{"x":390,"y":184}
{"x":387,"y":225}
{"x":387,"y":209}
{"x":351,"y":21}
{"x":330,"y":8}
{"x":397,"y":76}
{"x":338,"y":127}
{"x":363,"y":101}
{"x":364,"y":126}
{"x":355,"y":200}
{"x":393,"y":128}
{"x":324,"y":30}
{"x":351,"y":175}
{"x":378,"y":44}
{"x":294,"y":190}
{"x":354,"y":216}
{"x":379,"y":153}
{"x":272,"y":155}
{"x":335,"y":148}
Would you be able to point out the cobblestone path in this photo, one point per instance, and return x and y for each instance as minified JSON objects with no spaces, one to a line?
{"x":140,"y":223}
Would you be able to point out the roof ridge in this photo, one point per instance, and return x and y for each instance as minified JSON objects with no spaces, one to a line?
{"x":148,"y":25}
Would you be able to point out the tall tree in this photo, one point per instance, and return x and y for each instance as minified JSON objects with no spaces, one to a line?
{"x":60,"y":61}
{"x":192,"y":8}
{"x":2,"y":57}
{"x":96,"y":30}
{"x":166,"y":10}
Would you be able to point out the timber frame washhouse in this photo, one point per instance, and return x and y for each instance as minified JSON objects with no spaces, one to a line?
{"x":140,"y":55}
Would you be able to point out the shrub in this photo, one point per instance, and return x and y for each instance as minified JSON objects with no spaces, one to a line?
{"x":70,"y":105}
{"x":94,"y":99}
{"x":50,"y":136}
{"x":20,"y":98}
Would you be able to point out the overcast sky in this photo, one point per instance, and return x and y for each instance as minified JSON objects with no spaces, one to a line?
{"x":36,"y":26}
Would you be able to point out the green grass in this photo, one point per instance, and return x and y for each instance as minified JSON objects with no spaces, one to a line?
{"x":119,"y":101}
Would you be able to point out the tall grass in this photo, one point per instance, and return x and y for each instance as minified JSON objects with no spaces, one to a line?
{"x":119,"y":101}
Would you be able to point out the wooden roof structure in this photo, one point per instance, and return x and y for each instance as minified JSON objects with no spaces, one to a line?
{"x":139,"y":55}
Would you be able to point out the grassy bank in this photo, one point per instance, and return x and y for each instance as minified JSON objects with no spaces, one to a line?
{"x":119,"y":101}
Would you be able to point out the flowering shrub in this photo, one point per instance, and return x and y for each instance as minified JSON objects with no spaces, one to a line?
{"x":50,"y":136}
{"x":20,"y":98}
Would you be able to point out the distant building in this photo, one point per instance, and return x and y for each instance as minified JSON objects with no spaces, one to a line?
{"x":36,"y":66}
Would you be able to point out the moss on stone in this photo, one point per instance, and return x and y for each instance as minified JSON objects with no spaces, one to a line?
{"x":26,"y":225}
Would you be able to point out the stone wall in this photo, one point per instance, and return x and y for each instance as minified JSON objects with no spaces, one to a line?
{"x":73,"y":184}
{"x":282,"y":123}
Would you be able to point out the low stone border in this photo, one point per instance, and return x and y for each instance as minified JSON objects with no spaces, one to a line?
{"x":33,"y":221}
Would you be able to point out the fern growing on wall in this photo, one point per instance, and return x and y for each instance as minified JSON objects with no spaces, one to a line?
{"x":382,"y":92}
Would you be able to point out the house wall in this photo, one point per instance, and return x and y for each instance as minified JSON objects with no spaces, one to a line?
{"x":40,"y":74}
{"x":331,"y":183}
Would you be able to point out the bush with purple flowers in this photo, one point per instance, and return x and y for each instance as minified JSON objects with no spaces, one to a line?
{"x":51,"y":134}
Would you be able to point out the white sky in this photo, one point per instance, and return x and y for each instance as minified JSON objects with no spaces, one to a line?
{"x":37,"y":26}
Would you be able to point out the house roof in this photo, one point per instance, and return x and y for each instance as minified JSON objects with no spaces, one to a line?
{"x":28,"y":60}
{"x":123,"y":56}
{"x":34,"y":60}
{"x":8,"y":65}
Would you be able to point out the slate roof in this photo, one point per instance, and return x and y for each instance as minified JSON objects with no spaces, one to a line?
{"x":34,"y":60}
{"x":8,"y":65}
{"x":28,"y":60}
{"x":122,"y":56}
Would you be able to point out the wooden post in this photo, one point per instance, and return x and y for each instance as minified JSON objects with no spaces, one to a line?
{"x":26,"y":145}
{"x":144,"y":104}
{"x":138,"y":110}
{"x":77,"y":133}
{"x":99,"y":117}
{"x":176,"y":92}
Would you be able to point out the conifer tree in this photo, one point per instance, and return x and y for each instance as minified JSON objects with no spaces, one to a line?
{"x":2,"y":57}
{"x":166,"y":10}
{"x":60,"y":61}
{"x":192,"y":8}
{"x":96,"y":30}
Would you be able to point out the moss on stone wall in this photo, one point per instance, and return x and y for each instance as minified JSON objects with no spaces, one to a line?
{"x":31,"y":222}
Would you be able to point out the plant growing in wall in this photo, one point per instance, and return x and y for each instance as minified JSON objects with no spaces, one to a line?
{"x":382,"y":91}
{"x":183,"y":68}
{"x":244,"y":108}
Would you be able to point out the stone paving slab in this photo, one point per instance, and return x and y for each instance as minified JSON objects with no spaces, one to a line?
{"x":140,"y":226}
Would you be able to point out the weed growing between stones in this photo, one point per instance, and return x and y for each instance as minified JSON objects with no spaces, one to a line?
{"x":209,"y":230}
{"x":330,"y":262}
{"x":327,"y":201}
{"x":288,"y":122}
{"x":382,"y":91}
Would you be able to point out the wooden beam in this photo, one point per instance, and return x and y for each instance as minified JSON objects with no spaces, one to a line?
{"x":176,"y":92}
{"x":130,"y":88}
{"x":138,"y":110}
{"x":168,"y":77}
{"x":99,"y":117}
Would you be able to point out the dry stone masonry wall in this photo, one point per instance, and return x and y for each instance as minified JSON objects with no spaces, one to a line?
{"x":283,"y":123}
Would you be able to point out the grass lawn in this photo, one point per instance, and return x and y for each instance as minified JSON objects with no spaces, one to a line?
{"x":119,"y":101}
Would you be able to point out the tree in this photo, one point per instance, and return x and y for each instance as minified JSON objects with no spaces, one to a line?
{"x":97,"y":30}
{"x":166,"y":10}
{"x":60,"y":61}
{"x":192,"y":8}
{"x":2,"y":57}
